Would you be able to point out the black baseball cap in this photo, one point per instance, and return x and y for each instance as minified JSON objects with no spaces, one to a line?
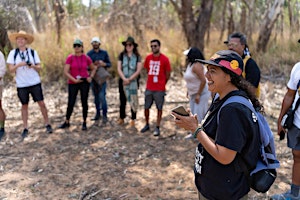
{"x":228,"y":59}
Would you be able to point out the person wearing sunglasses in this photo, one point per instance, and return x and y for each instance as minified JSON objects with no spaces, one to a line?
{"x":79,"y":79}
{"x":129,"y":68}
{"x":159,"y":69}
{"x":238,"y":42}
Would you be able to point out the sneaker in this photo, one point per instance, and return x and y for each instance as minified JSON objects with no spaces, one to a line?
{"x":146,"y":128}
{"x":156,"y":132}
{"x":49,"y":129}
{"x":132,"y":123}
{"x":120,"y":121}
{"x":24,"y":133}
{"x":2,"y":132}
{"x":65,"y":125}
{"x":285,"y":196}
{"x":84,"y":128}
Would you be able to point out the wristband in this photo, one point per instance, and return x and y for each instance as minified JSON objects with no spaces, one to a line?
{"x":197,"y":131}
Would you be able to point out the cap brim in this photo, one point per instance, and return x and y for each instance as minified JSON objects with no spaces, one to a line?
{"x":186,"y":52}
{"x":209,"y":62}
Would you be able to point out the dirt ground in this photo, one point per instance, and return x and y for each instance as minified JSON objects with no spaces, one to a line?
{"x":109,"y":161}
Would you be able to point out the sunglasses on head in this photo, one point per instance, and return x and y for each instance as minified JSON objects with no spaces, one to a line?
{"x":154,"y":46}
{"x":77,"y":45}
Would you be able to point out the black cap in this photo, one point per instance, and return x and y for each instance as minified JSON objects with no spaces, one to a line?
{"x":228,"y":59}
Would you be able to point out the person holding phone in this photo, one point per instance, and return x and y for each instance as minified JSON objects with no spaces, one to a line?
{"x":225,"y":143}
{"x":79,"y":79}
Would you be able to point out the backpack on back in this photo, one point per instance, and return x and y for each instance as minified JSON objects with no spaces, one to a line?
{"x":264,"y":174}
{"x":18,"y":50}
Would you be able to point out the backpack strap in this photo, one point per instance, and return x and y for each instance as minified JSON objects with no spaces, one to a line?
{"x":17,"y":50}
{"x":265,"y":133}
{"x":32,"y":53}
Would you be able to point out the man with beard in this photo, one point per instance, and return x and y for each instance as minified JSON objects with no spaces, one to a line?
{"x":159,"y":70}
{"x":101,"y":59}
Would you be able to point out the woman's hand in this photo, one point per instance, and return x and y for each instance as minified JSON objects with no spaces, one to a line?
{"x":186,"y":122}
{"x":197,"y":99}
{"x":126,"y":81}
{"x":89,"y":79}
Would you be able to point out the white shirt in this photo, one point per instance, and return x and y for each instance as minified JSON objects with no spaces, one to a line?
{"x":2,"y":67}
{"x":25,"y":76}
{"x":193,"y":82}
{"x":292,"y":84}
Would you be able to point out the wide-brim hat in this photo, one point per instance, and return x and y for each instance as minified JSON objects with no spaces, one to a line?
{"x":131,"y":40}
{"x":13,"y":36}
{"x":227,"y":59}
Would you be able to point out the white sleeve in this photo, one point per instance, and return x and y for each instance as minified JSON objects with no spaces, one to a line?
{"x":2,"y":65}
{"x":294,"y":77}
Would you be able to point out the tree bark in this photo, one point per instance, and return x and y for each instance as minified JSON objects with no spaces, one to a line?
{"x":267,"y":25}
{"x":223,"y":21}
{"x":194,"y":26}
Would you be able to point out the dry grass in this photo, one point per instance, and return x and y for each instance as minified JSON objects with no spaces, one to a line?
{"x":276,"y":62}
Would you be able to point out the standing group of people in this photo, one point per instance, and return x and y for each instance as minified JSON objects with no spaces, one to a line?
{"x":85,"y":70}
{"x":225,"y":136}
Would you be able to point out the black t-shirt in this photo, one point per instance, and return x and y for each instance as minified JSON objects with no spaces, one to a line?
{"x":238,"y":131}
{"x":252,"y":72}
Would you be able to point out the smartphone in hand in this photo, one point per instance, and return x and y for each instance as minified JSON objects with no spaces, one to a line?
{"x":281,"y":135}
{"x":180,"y":110}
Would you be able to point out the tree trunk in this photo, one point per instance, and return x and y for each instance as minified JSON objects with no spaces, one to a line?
{"x":194,"y":27}
{"x":230,"y":25}
{"x":223,"y":21}
{"x":267,"y":25}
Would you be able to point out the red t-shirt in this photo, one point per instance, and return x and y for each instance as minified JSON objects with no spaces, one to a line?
{"x":157,"y":67}
{"x":78,"y":66}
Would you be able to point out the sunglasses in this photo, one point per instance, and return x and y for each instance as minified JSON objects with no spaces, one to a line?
{"x":77,"y":45}
{"x":232,"y":44}
{"x":154,"y":46}
{"x":129,"y":44}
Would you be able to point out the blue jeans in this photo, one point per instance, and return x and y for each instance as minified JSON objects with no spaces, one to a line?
{"x":100,"y":98}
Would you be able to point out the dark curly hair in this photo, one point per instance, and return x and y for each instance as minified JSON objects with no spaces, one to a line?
{"x":243,"y":84}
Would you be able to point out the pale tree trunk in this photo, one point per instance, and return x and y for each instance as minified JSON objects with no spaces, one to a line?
{"x":267,"y":25}
{"x":194,"y":27}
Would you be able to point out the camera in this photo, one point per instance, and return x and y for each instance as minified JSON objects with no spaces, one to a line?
{"x":28,"y":63}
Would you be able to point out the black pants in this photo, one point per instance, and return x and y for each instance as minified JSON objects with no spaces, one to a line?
{"x":123,"y":101}
{"x":84,"y":93}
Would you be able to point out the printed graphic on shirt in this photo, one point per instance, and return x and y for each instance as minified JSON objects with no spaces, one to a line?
{"x":154,"y":68}
{"x":198,"y":161}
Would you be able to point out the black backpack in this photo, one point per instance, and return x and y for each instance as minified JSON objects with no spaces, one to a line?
{"x":18,"y":50}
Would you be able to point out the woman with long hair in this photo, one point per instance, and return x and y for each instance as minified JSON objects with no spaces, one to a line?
{"x":234,"y":138}
{"x":129,"y":68}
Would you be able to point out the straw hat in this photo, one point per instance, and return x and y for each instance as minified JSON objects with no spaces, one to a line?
{"x":13,"y":36}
